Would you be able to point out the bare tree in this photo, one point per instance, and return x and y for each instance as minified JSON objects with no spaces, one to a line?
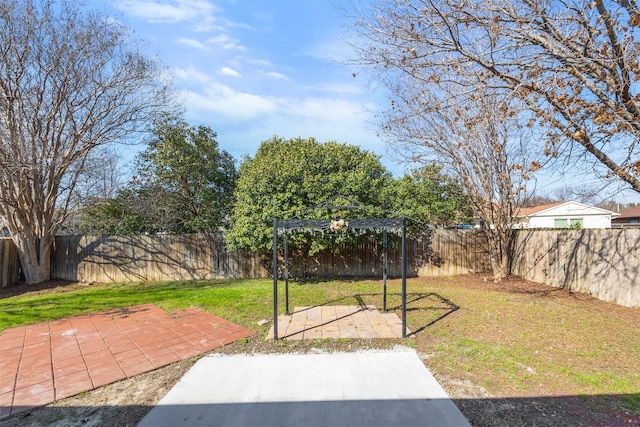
{"x":573,"y":63}
{"x":71,"y":81}
{"x":479,"y":141}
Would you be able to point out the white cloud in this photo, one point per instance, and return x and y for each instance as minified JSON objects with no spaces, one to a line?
{"x":229,"y":72}
{"x":330,"y":49}
{"x":226,"y":42}
{"x":258,"y":63}
{"x":192,"y":75}
{"x":249,"y":118}
{"x":202,"y":14}
{"x":326,"y":118}
{"x":192,"y":43}
{"x":169,"y":11}
{"x":338,"y":88}
{"x":225,"y":102}
{"x":274,"y":75}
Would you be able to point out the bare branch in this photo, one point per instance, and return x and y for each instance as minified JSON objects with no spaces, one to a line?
{"x":573,"y":63}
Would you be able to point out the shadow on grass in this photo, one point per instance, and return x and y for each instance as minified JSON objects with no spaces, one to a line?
{"x":546,"y":411}
{"x":63,"y":286}
{"x":75,"y":299}
{"x":18,"y":289}
{"x":611,"y":410}
{"x":437,"y":308}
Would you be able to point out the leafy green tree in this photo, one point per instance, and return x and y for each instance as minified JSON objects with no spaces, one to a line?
{"x":123,"y":215}
{"x":430,"y":196}
{"x":184,"y":185}
{"x":296,"y":175}
{"x":192,"y":178}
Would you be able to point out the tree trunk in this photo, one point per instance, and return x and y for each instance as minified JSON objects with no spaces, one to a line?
{"x":499,"y":256}
{"x":35,"y":257}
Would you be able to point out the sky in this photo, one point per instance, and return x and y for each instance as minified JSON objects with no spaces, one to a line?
{"x":254,"y":69}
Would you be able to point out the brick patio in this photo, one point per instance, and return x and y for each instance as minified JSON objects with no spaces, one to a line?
{"x":45,"y":362}
{"x":338,"y":322}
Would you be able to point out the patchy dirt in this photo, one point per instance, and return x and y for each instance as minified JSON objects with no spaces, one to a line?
{"x":48,"y":287}
{"x":126,"y":402}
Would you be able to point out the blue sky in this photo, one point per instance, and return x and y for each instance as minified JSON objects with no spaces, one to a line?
{"x":252,"y":69}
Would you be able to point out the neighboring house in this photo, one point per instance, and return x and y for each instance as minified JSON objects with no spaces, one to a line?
{"x":628,"y":218}
{"x":565,"y":215}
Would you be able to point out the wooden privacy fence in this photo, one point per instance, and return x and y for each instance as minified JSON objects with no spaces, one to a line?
{"x":200,"y":256}
{"x":444,"y":252}
{"x":603,"y":263}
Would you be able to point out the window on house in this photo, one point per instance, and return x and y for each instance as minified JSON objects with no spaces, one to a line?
{"x":560,"y":223}
{"x":575,"y":223}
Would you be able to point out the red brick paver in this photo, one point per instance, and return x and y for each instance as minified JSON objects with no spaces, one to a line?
{"x":45,"y":362}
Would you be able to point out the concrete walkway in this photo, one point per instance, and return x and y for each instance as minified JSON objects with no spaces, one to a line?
{"x":44,"y":362}
{"x":339,"y":389}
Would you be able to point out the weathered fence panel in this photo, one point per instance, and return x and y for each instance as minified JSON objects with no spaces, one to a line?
{"x":9,"y":263}
{"x":365,"y":258}
{"x":452,"y":252}
{"x":147,"y":258}
{"x":603,"y":263}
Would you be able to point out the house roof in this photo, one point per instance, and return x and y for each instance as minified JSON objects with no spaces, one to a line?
{"x":536,"y":210}
{"x":630,"y":213}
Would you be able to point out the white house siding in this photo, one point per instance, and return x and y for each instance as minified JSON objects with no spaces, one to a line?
{"x":591,"y":217}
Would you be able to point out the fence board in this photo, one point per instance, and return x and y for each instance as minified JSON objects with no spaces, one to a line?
{"x":9,"y":263}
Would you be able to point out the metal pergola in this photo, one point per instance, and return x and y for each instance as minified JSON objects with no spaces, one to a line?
{"x":286,"y":226}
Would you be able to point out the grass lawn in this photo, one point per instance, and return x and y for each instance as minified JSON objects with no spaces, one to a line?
{"x":488,"y":344}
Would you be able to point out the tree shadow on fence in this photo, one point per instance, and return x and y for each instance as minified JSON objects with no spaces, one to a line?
{"x":151,"y":258}
{"x":603,"y":263}
{"x":205,"y":256}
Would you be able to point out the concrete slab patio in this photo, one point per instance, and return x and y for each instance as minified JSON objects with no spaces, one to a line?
{"x":330,"y":389}
{"x":44,"y":362}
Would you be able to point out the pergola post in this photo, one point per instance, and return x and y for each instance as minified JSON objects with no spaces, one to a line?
{"x":275,"y":279}
{"x":384,"y":270}
{"x":286,"y":274}
{"x":404,"y":277}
